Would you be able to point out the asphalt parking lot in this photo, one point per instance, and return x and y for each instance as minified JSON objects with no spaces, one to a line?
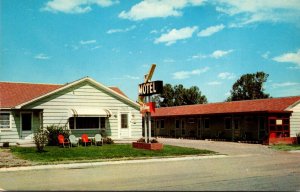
{"x":222,"y":147}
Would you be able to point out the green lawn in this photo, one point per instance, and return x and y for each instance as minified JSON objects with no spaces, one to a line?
{"x":283,"y":147}
{"x":55,"y":154}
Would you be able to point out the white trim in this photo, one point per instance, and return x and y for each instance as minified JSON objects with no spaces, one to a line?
{"x":10,"y":120}
{"x":89,"y":112}
{"x":88,"y":79}
{"x":292,"y":106}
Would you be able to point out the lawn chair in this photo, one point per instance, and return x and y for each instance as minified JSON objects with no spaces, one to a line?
{"x":85,"y":139}
{"x":73,"y":140}
{"x":62,"y":141}
{"x":98,"y":139}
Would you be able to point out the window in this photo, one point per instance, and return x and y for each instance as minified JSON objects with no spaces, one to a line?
{"x":227,"y":123}
{"x":236,"y":123}
{"x":157,"y":124}
{"x":261,"y":123}
{"x":206,"y":123}
{"x":124,"y":121}
{"x":86,"y":122}
{"x":177,"y":123}
{"x":102,"y":122}
{"x":162,"y":124}
{"x":191,"y":120}
{"x":182,"y":124}
{"x":4,"y":120}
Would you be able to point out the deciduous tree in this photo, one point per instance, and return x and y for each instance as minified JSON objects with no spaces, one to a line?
{"x":248,"y":87}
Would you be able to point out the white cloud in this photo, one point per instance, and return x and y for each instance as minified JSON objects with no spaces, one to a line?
{"x":75,"y":6}
{"x":285,"y":84}
{"x":96,"y":47}
{"x":188,"y":74}
{"x":199,"y":56}
{"x":87,"y":42}
{"x":266,"y":55}
{"x":214,"y":83}
{"x":176,"y":34}
{"x":251,"y":11}
{"x":226,"y":75}
{"x":216,"y":54}
{"x":156,"y":8}
{"x":121,"y":30}
{"x":211,"y":30}
{"x":289,"y":58}
{"x":168,"y":60}
{"x":42,"y":56}
{"x":219,"y":53}
{"x":131,"y":77}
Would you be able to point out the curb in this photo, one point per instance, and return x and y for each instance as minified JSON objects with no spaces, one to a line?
{"x":93,"y":164}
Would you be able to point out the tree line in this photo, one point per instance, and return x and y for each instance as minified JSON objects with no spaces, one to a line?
{"x":247,"y":87}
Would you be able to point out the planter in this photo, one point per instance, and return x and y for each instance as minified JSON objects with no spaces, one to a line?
{"x":283,"y":140}
{"x":148,"y":146}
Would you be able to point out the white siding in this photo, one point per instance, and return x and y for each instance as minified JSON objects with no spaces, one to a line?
{"x":56,"y":107}
{"x":295,"y":120}
{"x":13,"y":135}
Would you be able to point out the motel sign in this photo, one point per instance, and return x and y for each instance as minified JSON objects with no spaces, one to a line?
{"x":150,"y":88}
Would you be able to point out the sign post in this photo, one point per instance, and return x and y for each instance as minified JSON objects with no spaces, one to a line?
{"x":147,"y":89}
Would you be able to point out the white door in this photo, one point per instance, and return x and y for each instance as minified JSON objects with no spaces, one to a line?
{"x":124,"y":125}
{"x":26,"y":126}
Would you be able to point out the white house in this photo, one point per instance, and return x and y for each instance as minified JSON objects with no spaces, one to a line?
{"x":83,"y":106}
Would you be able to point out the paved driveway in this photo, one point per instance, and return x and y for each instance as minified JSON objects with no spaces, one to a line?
{"x":228,"y":148}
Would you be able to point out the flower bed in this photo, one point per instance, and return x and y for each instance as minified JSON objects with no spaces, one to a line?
{"x":148,"y":146}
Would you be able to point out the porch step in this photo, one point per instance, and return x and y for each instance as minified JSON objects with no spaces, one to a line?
{"x":25,"y":143}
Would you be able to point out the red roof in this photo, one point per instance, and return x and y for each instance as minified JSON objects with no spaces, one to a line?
{"x":13,"y":94}
{"x":259,"y":105}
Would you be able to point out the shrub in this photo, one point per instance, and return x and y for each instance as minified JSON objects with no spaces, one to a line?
{"x":103,"y":133}
{"x":54,"y":131}
{"x":41,"y":139}
{"x":108,"y":140}
{"x":141,"y":140}
{"x":153,"y":141}
{"x":5,"y":144}
{"x":298,"y":137}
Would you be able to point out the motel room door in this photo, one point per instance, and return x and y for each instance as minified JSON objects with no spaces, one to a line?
{"x":124,"y":129}
{"x":26,"y":126}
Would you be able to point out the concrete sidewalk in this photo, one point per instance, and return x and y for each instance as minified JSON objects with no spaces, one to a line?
{"x":116,"y":162}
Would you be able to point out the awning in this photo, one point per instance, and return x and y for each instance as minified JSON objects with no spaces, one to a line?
{"x":89,"y":112}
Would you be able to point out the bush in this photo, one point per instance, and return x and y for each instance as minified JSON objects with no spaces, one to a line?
{"x":103,"y":133}
{"x":153,"y":141}
{"x":298,"y":137}
{"x":41,"y":139}
{"x":141,"y":140}
{"x":108,"y":140}
{"x":54,"y":131}
{"x":5,"y":144}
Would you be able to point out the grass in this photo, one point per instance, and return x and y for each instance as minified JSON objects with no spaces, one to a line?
{"x":53,"y":154}
{"x":283,"y":147}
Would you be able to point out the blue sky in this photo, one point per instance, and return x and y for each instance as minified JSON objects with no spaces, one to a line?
{"x":209,"y":44}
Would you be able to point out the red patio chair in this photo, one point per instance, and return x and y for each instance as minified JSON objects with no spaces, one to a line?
{"x":85,"y":139}
{"x":62,"y":141}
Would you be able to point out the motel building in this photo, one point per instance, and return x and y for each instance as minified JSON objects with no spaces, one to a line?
{"x":83,"y":106}
{"x":274,"y":120}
